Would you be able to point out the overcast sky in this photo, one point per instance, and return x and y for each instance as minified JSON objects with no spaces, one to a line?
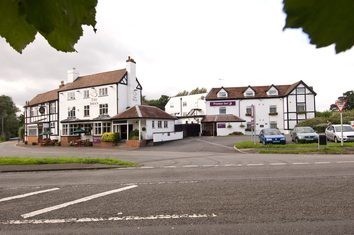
{"x":180,"y":45}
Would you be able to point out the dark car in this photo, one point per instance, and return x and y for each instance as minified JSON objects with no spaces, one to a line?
{"x":271,"y":136}
{"x":303,"y":134}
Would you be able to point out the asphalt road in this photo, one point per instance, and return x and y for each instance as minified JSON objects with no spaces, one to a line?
{"x":185,"y":193}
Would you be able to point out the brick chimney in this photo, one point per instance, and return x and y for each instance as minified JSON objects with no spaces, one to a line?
{"x":73,"y":74}
{"x":61,"y":84}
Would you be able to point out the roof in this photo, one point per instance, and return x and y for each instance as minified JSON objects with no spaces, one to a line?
{"x":44,"y":97}
{"x":260,"y":91}
{"x":96,"y":80}
{"x":222,"y":118}
{"x":144,"y":112}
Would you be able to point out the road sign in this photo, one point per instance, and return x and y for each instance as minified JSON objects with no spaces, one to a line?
{"x":341,"y":104}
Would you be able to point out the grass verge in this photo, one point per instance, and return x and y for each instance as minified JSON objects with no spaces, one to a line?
{"x":63,"y":160}
{"x":332,"y":148}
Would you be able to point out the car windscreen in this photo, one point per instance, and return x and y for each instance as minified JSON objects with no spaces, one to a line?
{"x":346,"y":128}
{"x":272,"y":132}
{"x":305,"y":130}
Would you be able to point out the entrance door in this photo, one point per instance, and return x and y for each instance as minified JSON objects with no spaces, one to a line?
{"x":123,"y":131}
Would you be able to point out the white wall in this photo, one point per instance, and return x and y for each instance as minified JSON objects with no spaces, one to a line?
{"x":167,"y":136}
{"x":150,"y":131}
{"x":196,"y":101}
{"x":235,"y":126}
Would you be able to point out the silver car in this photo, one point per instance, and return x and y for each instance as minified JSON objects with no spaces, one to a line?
{"x":303,"y":134}
{"x":333,"y":133}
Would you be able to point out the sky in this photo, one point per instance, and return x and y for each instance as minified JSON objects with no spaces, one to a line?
{"x":181,"y":45}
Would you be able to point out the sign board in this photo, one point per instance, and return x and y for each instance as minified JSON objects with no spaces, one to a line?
{"x":221,"y":125}
{"x":222,"y":103}
{"x":341,"y":104}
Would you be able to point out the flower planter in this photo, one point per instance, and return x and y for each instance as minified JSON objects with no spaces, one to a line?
{"x":135,"y":143}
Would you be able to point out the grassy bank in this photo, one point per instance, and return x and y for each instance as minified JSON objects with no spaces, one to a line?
{"x":63,"y":160}
{"x":333,"y":148}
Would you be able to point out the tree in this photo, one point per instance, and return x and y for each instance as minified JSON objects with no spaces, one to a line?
{"x":160,"y":103}
{"x":349,"y":97}
{"x":182,"y":93}
{"x":198,"y":91}
{"x":326,"y":22}
{"x":58,"y":21}
{"x":8,"y":119}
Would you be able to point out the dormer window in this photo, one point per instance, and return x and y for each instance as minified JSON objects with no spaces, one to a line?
{"x":249,"y":92}
{"x":222,"y":94}
{"x":272,"y":91}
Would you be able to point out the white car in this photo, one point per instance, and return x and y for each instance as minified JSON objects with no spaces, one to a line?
{"x":333,"y":133}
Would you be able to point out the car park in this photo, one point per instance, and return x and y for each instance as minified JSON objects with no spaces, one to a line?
{"x":333,"y":133}
{"x":271,"y":136}
{"x":303,"y":134}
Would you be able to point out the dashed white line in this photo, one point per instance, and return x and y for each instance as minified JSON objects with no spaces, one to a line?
{"x":98,"y":219}
{"x":52,"y":208}
{"x":147,"y":167}
{"x":229,"y":165}
{"x":190,"y":166}
{"x":255,"y":164}
{"x":169,"y":166}
{"x":322,"y":162}
{"x":209,"y":165}
{"x":27,"y":194}
{"x":300,"y":163}
{"x":278,"y":163}
{"x":341,"y":162}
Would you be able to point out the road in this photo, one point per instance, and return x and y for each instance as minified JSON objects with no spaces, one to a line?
{"x":189,"y":193}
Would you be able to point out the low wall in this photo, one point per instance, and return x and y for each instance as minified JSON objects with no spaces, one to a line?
{"x":32,"y":139}
{"x":167,"y":136}
{"x":65,"y":140}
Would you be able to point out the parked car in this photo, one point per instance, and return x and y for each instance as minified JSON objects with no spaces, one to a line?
{"x":303,"y":134}
{"x":333,"y":133}
{"x":271,"y":136}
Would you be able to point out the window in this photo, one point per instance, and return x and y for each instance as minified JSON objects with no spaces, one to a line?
{"x":31,"y":112}
{"x":222,"y":110}
{"x":165,"y":124}
{"x":86,"y":110}
{"x":97,"y":128}
{"x":103,"y":109}
{"x":273,"y":125}
{"x":71,"y":95}
{"x":222,"y":94}
{"x":87,"y":127}
{"x":172,"y":106}
{"x":106,"y":127}
{"x":32,"y":131}
{"x":300,"y":107}
{"x":249,"y":93}
{"x":71,"y":112}
{"x":153,"y":124}
{"x":52,"y":108}
{"x":65,"y":129}
{"x":52,"y":125}
{"x":300,"y":90}
{"x":72,"y":128}
{"x":249,"y":126}
{"x":272,"y":92}
{"x":273,"y":109}
{"x":184,"y":103}
{"x":86,"y":94}
{"x":249,"y":111}
{"x":159,"y":124}
{"x":103,"y":91}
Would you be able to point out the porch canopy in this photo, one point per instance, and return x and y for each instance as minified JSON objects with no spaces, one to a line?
{"x":222,"y":118}
{"x":143,"y":112}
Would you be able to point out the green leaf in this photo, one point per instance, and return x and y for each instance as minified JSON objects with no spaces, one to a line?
{"x":325,"y":21}
{"x":58,"y":21}
{"x":14,"y":27}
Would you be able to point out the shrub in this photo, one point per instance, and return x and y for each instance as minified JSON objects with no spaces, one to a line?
{"x":320,"y":128}
{"x":229,"y":126}
{"x":133,"y":134}
{"x":109,"y":137}
{"x":2,"y":138}
{"x":236,"y":133}
{"x":21,"y":132}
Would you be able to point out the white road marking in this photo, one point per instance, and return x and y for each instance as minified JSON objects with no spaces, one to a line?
{"x":190,"y":166}
{"x":278,"y":163}
{"x":300,"y":163}
{"x":229,"y":165}
{"x":255,"y":164}
{"x":147,"y":167}
{"x":345,"y":162}
{"x":322,"y":162}
{"x":27,"y":194}
{"x":169,"y":166}
{"x":220,"y":145}
{"x":52,"y":208}
{"x":98,"y":219}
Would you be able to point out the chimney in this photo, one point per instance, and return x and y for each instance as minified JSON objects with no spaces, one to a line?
{"x":73,"y":74}
{"x":133,"y":93}
{"x":61,"y":84}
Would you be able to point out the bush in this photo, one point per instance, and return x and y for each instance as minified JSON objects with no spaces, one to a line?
{"x":236,"y":133}
{"x":110,"y":137}
{"x":2,"y":138}
{"x":320,"y":128}
{"x":21,"y":133}
{"x":133,"y":134}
